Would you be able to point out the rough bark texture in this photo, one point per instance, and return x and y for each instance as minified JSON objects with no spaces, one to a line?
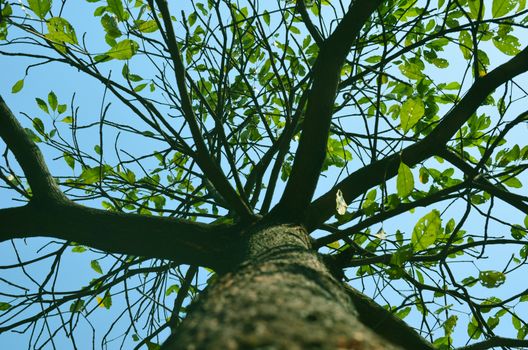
{"x":281,"y":296}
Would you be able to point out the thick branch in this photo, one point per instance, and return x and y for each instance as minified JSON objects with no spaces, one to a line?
{"x":51,"y":214}
{"x":496,"y":342}
{"x":311,"y":152}
{"x":148,"y":236}
{"x":369,"y":176}
{"x":28,"y":155}
{"x":384,"y":323}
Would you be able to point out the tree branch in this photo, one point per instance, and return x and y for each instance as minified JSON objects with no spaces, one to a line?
{"x":384,"y":323}
{"x":371,"y":175}
{"x":149,"y":236}
{"x":484,"y":184}
{"x":312,"y":29}
{"x":311,"y":151}
{"x":494,"y":342}
{"x":202,"y":156}
{"x":49,"y":213}
{"x":28,"y":155}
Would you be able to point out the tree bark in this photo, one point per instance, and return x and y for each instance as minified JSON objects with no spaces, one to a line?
{"x":282,"y":296}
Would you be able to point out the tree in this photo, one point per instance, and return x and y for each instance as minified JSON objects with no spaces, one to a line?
{"x":229,"y":114}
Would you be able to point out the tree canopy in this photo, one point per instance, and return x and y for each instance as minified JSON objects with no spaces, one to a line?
{"x":392,"y":131}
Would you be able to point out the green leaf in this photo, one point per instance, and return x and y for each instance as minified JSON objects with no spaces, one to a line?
{"x":507,"y":44}
{"x":400,"y":256}
{"x":424,"y":175}
{"x":403,"y":312}
{"x":153,"y":346}
{"x":52,"y":100}
{"x":411,"y":112}
{"x":172,"y":289}
{"x":491,"y":279}
{"x":502,"y":7}
{"x":77,"y":306}
{"x":513,"y":182}
{"x":42,"y":105}
{"x":192,"y":18}
{"x":61,"y":31}
{"x":61,"y":108}
{"x":40,"y":7}
{"x":110,"y":26}
{"x":334,"y":245}
{"x":79,"y":249}
{"x":4,"y":306}
{"x":404,"y":181}
{"x":39,"y":126}
{"x":128,"y":176}
{"x":17,"y":86}
{"x":426,"y":230}
{"x":266,"y":17}
{"x":93,"y":175}
{"x":140,"y":87}
{"x":69,"y":160}
{"x":7,"y":10}
{"x":466,"y":44}
{"x":147,"y":26}
{"x":96,"y":267}
{"x":411,"y":71}
{"x":107,"y":300}
{"x":517,"y":231}
{"x":476,"y":7}
{"x":116,"y":7}
{"x":123,"y":50}
{"x":473,"y":329}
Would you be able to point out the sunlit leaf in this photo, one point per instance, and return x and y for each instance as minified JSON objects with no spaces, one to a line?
{"x":404,"y":181}
{"x":491,"y":279}
{"x":17,"y":86}
{"x":60,"y":31}
{"x":426,"y":230}
{"x":110,"y":26}
{"x":502,"y":7}
{"x":147,"y":26}
{"x":123,"y":50}
{"x":116,"y":7}
{"x":96,"y":267}
{"x":477,"y":8}
{"x":69,"y":160}
{"x":40,"y":7}
{"x":412,"y":110}
{"x":507,"y":44}
{"x":52,"y":100}
{"x":42,"y":105}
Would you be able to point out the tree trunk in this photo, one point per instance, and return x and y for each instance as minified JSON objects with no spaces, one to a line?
{"x":281,"y":296}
